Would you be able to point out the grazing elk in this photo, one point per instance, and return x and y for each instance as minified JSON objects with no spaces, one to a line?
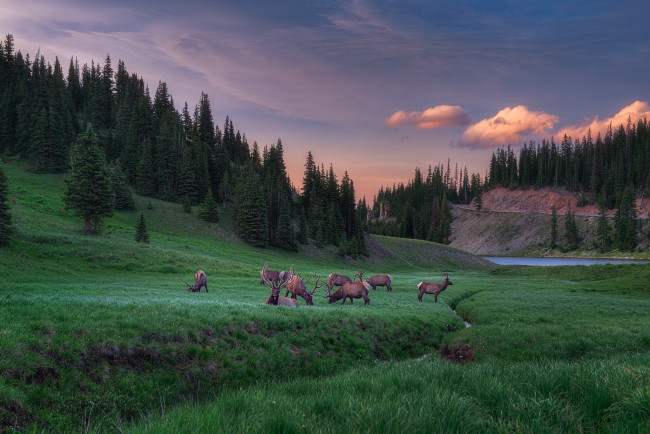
{"x":433,"y":288}
{"x":272,"y":275}
{"x":380,"y":280}
{"x":200,"y":279}
{"x":297,"y":286}
{"x":337,"y":279}
{"x":275,"y":298}
{"x":349,"y":290}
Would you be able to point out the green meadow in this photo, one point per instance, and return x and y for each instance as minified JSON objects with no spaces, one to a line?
{"x":98,"y":334}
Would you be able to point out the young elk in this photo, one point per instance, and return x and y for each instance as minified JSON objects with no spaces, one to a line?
{"x":380,"y":280}
{"x":433,"y":288}
{"x":200,"y":279}
{"x":349,"y":290}
{"x":275,"y":298}
{"x":297,"y":286}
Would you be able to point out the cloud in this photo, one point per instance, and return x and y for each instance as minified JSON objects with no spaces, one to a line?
{"x":436,"y":117}
{"x":509,"y":126}
{"x":635,"y":111}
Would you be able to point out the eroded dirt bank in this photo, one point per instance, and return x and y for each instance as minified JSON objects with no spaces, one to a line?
{"x":519,"y":221}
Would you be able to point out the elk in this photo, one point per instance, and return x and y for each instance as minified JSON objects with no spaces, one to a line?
{"x":349,"y":290}
{"x":433,"y":288}
{"x":297,"y":286}
{"x":380,"y":280}
{"x":272,"y":275}
{"x":200,"y":279}
{"x":275,"y":298}
{"x":337,"y":279}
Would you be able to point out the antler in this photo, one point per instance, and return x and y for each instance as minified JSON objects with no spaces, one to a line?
{"x":189,"y":287}
{"x":316,"y":285}
{"x":328,"y":285}
{"x":359,"y":275}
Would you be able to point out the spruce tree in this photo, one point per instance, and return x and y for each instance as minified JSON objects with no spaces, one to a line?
{"x":553,"y":227}
{"x":123,"y":197}
{"x":141,"y":234}
{"x":252,"y":222}
{"x":571,"y":230}
{"x":225,"y":189}
{"x":88,"y":191}
{"x":146,"y":180}
{"x":286,"y":238}
{"x":187,"y":205}
{"x":603,"y":238}
{"x":5,"y":217}
{"x":625,"y":221}
{"x":209,"y":210}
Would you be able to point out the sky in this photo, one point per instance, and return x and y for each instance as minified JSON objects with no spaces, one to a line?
{"x":373,"y":87}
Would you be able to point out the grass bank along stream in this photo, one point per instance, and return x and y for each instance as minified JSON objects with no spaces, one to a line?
{"x":98,"y":333}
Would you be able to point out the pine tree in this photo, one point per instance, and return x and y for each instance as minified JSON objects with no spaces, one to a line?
{"x":88,"y":191}
{"x":5,"y":216}
{"x":141,"y":234}
{"x":225,"y":189}
{"x":252,"y":222}
{"x":625,"y":222}
{"x":602,"y":229}
{"x":286,"y":238}
{"x":146,"y":180}
{"x":553,"y":227}
{"x":571,"y":230}
{"x":123,"y":197}
{"x":209,"y":210}
{"x":187,"y":205}
{"x":302,"y":227}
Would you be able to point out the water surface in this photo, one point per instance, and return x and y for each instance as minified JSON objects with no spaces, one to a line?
{"x":551,"y":262}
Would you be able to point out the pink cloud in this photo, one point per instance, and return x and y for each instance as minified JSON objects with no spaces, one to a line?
{"x":509,"y":126}
{"x":435,"y":117}
{"x":635,"y":111}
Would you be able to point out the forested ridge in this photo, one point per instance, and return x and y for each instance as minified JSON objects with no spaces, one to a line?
{"x":151,"y":147}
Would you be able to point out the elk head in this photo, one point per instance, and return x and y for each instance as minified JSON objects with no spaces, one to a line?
{"x":275,"y":298}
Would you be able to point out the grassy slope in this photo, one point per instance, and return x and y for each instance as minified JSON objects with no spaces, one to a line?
{"x":98,"y":330}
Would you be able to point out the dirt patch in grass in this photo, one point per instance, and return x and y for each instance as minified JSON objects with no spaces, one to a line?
{"x":462,"y":353}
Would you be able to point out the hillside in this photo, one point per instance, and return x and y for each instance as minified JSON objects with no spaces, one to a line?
{"x":515,"y":222}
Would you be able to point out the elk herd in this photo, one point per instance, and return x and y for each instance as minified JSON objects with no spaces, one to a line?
{"x":296,"y":284}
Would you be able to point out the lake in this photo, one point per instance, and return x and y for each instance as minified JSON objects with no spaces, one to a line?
{"x":550,"y":262}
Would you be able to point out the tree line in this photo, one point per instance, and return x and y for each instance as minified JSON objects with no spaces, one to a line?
{"x":147,"y":145}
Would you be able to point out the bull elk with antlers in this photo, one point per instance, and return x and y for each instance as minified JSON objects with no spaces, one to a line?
{"x":335,"y":279}
{"x":433,"y":288}
{"x":272,"y":275}
{"x":297,"y":286}
{"x":200,"y":279}
{"x":275,"y":298}
{"x":349,"y":290}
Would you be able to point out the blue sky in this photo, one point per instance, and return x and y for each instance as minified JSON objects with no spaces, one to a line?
{"x":376,"y":88}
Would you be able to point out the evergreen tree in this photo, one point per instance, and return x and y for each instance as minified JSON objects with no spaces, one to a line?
{"x":625,"y":222}
{"x":146,"y":180}
{"x":141,"y":234}
{"x":209,"y":210}
{"x":88,"y":191}
{"x":302,"y":227}
{"x":554,"y":233}
{"x":187,"y":205}
{"x":123,"y":197}
{"x":571,"y":230}
{"x":5,"y":216}
{"x":225,"y":189}
{"x":252,"y":222}
{"x":286,"y":238}
{"x":603,"y":231}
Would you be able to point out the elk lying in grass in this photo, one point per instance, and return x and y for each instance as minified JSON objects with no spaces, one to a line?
{"x":200,"y":279}
{"x":380,"y":280}
{"x":337,"y":279}
{"x":297,"y":286}
{"x":275,"y":298}
{"x":349,"y":290}
{"x":433,"y":288}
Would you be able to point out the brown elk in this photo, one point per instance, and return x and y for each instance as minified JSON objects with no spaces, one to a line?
{"x":275,"y":298}
{"x":380,"y":280}
{"x":349,"y":290}
{"x":297,"y":286}
{"x":335,"y":279}
{"x":433,"y":288}
{"x":200,"y":279}
{"x":272,"y":275}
